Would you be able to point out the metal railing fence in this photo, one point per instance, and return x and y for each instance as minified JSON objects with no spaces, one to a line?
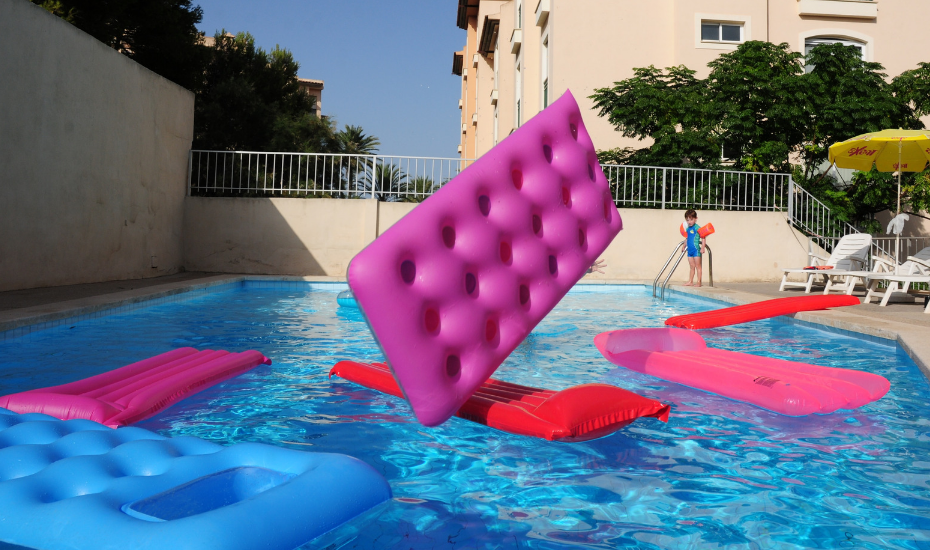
{"x":322,"y":175}
{"x":658,"y":187}
{"x":815,"y":219}
{"x":412,"y":179}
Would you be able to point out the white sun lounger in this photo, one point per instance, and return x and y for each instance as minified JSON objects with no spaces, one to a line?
{"x":918,"y":264}
{"x":850,"y":254}
{"x":914,"y":271}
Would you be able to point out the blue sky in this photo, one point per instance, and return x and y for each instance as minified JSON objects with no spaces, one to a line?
{"x":387,"y":63}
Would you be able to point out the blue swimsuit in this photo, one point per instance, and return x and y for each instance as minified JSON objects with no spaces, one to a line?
{"x":694,"y":241}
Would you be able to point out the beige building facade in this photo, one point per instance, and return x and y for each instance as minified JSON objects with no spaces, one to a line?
{"x":314,"y":88}
{"x":521,"y":55}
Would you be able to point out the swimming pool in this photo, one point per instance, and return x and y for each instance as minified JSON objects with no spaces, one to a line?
{"x":719,"y":474}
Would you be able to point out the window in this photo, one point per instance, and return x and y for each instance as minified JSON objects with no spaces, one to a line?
{"x":729,"y":152}
{"x":545,"y":72}
{"x":496,"y":131}
{"x":721,"y":32}
{"x":814,"y":41}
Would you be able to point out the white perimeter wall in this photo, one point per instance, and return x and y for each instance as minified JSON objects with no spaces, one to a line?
{"x":320,"y":236}
{"x":93,"y":157}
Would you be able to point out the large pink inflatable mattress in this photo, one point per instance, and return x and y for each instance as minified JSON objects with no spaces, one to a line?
{"x":137,"y":391}
{"x":453,"y":288}
{"x":786,"y":387}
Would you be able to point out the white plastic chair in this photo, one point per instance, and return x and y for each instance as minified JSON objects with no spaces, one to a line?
{"x":915,"y":270}
{"x":850,"y":254}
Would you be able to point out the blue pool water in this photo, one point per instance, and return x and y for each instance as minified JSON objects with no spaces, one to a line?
{"x":720,"y":474}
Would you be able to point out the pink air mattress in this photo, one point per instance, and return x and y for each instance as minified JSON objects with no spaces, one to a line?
{"x":137,"y":391}
{"x":452,"y":288}
{"x":786,"y":387}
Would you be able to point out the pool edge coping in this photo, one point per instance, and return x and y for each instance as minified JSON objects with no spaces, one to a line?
{"x":19,"y":322}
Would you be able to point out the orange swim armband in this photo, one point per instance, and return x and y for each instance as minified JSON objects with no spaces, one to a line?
{"x":702,"y":232}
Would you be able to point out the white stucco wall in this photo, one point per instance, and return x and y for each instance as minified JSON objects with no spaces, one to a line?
{"x":747,"y":246}
{"x":320,"y":236}
{"x":276,"y":236}
{"x":93,"y":157}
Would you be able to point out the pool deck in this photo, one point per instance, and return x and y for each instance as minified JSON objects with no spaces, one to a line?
{"x":22,"y":311}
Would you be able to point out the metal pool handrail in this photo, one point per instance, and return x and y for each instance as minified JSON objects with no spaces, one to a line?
{"x":655,"y":282}
{"x":710,"y":269}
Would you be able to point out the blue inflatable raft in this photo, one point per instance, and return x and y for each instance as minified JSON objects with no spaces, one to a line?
{"x":77,"y":484}
{"x":346,"y":299}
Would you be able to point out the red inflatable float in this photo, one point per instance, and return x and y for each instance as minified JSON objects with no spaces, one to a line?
{"x":759,"y":310}
{"x":579,"y":413}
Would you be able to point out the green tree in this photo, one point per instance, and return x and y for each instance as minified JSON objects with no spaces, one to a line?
{"x":418,"y":189}
{"x":666,"y":107}
{"x":913,"y":87}
{"x":353,"y":141}
{"x":754,"y":102}
{"x":845,"y":96}
{"x":159,"y":34}
{"x":760,"y":105}
{"x":384,"y":183}
{"x":251,"y":101}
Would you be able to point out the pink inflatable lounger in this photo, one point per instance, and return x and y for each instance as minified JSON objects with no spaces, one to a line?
{"x":137,"y":391}
{"x":454,"y":287}
{"x":786,"y":387}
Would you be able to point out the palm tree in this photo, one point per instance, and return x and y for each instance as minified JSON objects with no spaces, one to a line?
{"x":384,"y":183}
{"x":352,"y":140}
{"x":418,"y":188}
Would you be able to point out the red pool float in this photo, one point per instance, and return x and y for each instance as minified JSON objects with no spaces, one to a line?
{"x":579,"y":413}
{"x":759,"y":310}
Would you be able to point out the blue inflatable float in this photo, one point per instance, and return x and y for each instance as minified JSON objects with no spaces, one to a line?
{"x":346,"y":299}
{"x":77,"y":484}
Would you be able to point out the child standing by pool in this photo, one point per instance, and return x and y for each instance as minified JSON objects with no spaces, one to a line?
{"x":695,"y":246}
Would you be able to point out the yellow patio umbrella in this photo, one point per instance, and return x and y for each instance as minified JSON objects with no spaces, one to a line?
{"x":890,"y":151}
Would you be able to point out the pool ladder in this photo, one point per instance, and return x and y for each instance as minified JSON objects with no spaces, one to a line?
{"x":681,"y":254}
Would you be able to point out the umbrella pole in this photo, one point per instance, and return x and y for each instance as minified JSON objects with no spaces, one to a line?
{"x":897,"y":236}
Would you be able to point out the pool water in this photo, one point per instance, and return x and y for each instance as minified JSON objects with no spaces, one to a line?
{"x":720,"y":474}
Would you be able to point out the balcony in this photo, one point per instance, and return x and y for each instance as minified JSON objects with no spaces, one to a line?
{"x":488,"y":38}
{"x":854,"y":9}
{"x":493,"y":97}
{"x":542,"y":12}
{"x":474,"y":118}
{"x":474,"y":60}
{"x":460,"y":104}
{"x":516,"y":40}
